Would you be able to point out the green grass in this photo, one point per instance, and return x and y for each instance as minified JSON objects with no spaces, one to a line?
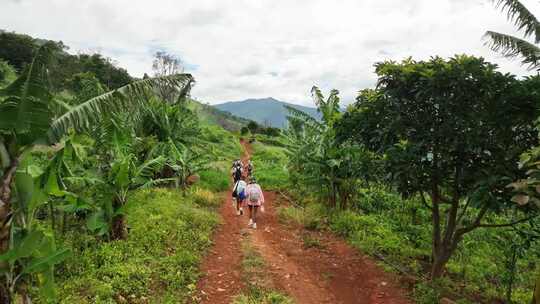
{"x":157,"y":263}
{"x":270,"y":166}
{"x":215,"y":180}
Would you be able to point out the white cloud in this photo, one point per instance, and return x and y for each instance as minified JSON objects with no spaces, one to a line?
{"x":242,"y":49}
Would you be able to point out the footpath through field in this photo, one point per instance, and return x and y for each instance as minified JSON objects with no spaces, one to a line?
{"x":332,"y":273}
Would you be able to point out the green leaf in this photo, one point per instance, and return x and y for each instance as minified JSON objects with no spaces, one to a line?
{"x":34,"y":171}
{"x":97,"y":223}
{"x":85,"y":115}
{"x":52,"y":187}
{"x":26,"y":109}
{"x":44,"y":263}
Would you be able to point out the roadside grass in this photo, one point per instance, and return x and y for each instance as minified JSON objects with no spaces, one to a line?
{"x":223,"y":146}
{"x":259,"y":286}
{"x":270,"y":166}
{"x":159,"y":261}
{"x":216,"y":180}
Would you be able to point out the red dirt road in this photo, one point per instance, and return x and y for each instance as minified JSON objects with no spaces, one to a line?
{"x":334,"y":273}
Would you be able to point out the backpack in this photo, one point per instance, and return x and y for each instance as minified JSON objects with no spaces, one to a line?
{"x":254,"y":194}
{"x":242,"y":195}
{"x":237,"y":173}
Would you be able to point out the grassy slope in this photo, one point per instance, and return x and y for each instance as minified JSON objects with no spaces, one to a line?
{"x":158,"y":261}
{"x":214,"y":116}
{"x":269,"y":163}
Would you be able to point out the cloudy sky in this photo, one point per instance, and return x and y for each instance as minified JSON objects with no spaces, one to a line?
{"x":239,"y":49}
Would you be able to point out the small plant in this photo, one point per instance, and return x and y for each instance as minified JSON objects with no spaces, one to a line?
{"x":312,"y":242}
{"x":205,"y":198}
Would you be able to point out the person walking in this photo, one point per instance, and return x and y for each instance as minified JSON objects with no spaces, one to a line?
{"x":239,"y":193}
{"x":237,"y":172}
{"x":249,"y":168}
{"x":255,"y":199}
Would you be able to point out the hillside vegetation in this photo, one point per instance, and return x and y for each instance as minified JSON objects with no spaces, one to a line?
{"x":97,"y":192}
{"x":110,"y":185}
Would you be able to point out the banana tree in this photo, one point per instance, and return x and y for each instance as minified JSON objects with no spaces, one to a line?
{"x":511,"y":46}
{"x":124,"y":173}
{"x":27,"y":120}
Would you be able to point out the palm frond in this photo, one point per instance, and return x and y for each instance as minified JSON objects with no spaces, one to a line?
{"x":517,"y":13}
{"x":305,"y":118}
{"x":131,"y":96}
{"x":26,"y":108}
{"x":511,"y":47}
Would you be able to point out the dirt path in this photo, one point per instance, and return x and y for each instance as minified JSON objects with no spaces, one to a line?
{"x":332,"y":273}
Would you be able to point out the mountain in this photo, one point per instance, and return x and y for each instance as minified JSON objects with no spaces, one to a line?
{"x":265,"y":111}
{"x":214,"y":116}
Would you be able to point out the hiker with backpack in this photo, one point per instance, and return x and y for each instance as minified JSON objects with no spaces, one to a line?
{"x":255,"y":199}
{"x":237,"y":171}
{"x":239,"y":193}
{"x":249,"y":168}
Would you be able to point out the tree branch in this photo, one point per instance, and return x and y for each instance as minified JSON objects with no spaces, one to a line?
{"x":467,"y":202}
{"x":424,"y":201}
{"x":507,"y":224}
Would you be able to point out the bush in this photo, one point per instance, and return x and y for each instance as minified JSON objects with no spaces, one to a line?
{"x":346,"y":223}
{"x":205,"y":198}
{"x":214,"y":180}
{"x":312,"y":217}
{"x":159,"y":260}
{"x":376,"y":199}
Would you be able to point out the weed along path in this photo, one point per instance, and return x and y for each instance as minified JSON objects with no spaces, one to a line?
{"x":331,"y":272}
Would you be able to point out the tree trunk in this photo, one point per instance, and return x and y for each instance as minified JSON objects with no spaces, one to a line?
{"x":439,"y":263}
{"x":5,"y":218}
{"x":118,"y":229}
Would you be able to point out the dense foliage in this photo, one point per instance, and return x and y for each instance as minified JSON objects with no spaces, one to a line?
{"x":104,"y":147}
{"x":428,"y":154}
{"x":453,"y":129}
{"x":18,"y":50}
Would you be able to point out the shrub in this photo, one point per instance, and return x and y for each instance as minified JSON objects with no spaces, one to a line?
{"x":346,"y":223}
{"x":205,"y":198}
{"x":214,"y":180}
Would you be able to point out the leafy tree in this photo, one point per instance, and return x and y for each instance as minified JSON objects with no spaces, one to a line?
{"x":454,"y":130}
{"x":85,"y":86}
{"x":244,"y":131}
{"x":167,"y":64}
{"x":317,"y":159}
{"x":253,"y":126}
{"x":123,"y":173}
{"x":16,"y":49}
{"x":26,"y":120}
{"x":511,"y":46}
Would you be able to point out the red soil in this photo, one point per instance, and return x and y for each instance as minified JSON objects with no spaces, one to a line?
{"x":334,"y":273}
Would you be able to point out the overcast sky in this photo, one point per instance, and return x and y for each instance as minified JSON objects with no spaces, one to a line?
{"x":253,"y":49}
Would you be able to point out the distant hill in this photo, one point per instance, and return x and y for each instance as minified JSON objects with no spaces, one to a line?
{"x":265,"y":111}
{"x":215,"y":116}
